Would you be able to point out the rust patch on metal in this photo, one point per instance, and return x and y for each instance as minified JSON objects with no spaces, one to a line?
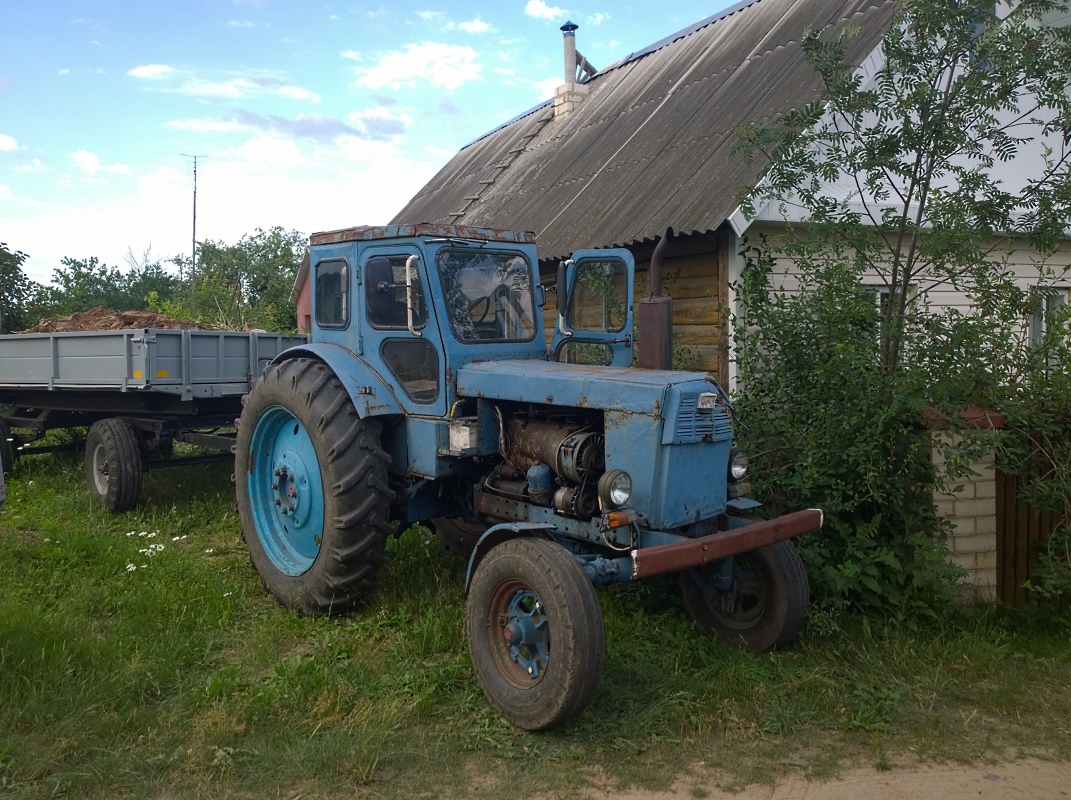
{"x":682,"y":555}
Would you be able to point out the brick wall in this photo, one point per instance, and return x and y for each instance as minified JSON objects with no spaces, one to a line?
{"x":970,"y":504}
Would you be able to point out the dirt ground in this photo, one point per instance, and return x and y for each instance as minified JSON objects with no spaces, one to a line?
{"x":103,"y":318}
{"x":1027,"y":778}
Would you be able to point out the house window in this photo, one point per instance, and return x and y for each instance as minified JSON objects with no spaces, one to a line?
{"x":1050,"y":303}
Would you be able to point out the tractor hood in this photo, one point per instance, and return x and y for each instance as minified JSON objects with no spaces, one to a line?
{"x":639,"y":391}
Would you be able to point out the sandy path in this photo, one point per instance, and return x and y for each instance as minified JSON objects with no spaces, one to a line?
{"x":1027,"y":778}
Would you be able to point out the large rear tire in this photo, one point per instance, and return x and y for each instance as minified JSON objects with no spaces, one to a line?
{"x":113,"y":464}
{"x":535,"y":633}
{"x":311,"y":481}
{"x":766,"y":607}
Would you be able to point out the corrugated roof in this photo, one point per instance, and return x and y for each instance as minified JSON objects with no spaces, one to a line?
{"x":650,"y":145}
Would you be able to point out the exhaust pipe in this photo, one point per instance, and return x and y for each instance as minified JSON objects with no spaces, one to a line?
{"x":655,"y":315}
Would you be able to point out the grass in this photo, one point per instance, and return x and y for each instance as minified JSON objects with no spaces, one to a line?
{"x":139,"y":657}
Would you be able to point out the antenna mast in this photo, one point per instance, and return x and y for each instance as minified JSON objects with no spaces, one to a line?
{"x":193,"y":246}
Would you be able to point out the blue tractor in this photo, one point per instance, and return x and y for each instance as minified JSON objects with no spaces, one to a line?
{"x":428,"y":394}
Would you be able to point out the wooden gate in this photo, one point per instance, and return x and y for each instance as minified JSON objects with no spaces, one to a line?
{"x":1020,"y":533}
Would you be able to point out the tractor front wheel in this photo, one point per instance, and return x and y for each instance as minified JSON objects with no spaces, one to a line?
{"x":535,"y":633}
{"x":311,"y":482}
{"x":765,"y":606}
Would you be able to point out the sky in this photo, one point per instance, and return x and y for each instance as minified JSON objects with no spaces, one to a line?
{"x":307,"y":115}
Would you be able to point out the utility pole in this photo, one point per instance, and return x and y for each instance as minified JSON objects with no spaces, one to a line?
{"x":193,"y":246}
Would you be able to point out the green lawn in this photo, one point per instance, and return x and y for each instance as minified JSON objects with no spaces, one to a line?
{"x":139,"y":657}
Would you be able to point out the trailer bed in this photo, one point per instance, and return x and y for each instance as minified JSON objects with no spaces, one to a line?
{"x":186,"y":364}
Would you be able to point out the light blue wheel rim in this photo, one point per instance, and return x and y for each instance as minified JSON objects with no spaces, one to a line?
{"x":285,"y":491}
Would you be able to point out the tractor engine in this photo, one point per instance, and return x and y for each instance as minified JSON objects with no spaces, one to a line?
{"x":551,"y":459}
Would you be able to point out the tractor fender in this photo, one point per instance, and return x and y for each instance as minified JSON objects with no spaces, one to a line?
{"x":372,"y":396}
{"x":500,"y":533}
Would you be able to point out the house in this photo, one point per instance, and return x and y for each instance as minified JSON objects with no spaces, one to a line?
{"x":644,"y":144}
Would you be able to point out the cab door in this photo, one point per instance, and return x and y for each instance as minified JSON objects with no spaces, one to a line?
{"x":595,"y":298}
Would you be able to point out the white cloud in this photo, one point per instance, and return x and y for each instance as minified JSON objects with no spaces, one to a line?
{"x":88,"y":162}
{"x":272,"y":152}
{"x":476,"y":25}
{"x":445,"y":65}
{"x":206,"y":125}
{"x":151,"y":72}
{"x":8,"y":144}
{"x":297,"y":93}
{"x":429,"y":16}
{"x":34,"y":166}
{"x":598,"y":18}
{"x":540,"y":10}
{"x":545,"y":88}
{"x":5,"y":193}
{"x":352,"y":55}
{"x":240,"y":23}
{"x":63,"y":71}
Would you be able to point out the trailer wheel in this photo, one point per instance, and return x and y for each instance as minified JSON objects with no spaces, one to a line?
{"x":311,"y":481}
{"x":764,"y":609}
{"x":535,"y":633}
{"x":8,"y":453}
{"x":113,"y":464}
{"x":457,"y":534}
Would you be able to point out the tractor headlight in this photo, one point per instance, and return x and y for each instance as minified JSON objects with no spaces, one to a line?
{"x":615,"y":488}
{"x":737,"y":465}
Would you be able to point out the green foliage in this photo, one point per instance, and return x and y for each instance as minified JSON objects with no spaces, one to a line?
{"x":15,"y":290}
{"x":244,"y":285}
{"x":82,"y":284}
{"x":841,"y":375}
{"x":827,"y":427}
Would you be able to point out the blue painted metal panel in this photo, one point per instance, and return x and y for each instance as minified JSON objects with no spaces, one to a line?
{"x":575,"y":385}
{"x":371,"y":395}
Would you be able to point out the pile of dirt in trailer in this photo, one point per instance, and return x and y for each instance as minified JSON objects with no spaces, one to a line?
{"x":103,"y":318}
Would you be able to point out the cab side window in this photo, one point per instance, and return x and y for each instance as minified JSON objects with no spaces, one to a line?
{"x":332,"y":284}
{"x":385,"y":290}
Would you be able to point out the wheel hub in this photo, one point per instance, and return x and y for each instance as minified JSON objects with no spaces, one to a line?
{"x":290,"y":483}
{"x":527,"y":634}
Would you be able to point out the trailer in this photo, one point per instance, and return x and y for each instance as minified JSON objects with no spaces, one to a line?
{"x":136,"y":391}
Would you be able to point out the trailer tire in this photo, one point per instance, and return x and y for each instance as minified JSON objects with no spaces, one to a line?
{"x":769,"y":604}
{"x":8,"y":454}
{"x":311,"y":485}
{"x":526,"y":595}
{"x":113,"y":464}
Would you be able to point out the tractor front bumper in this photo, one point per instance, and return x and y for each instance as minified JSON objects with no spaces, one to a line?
{"x":664,"y":558}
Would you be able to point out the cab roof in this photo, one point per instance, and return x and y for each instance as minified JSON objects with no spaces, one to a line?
{"x":375,"y":232}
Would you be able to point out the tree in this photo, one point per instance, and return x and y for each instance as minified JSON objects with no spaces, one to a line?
{"x":838,"y":376}
{"x":247,"y":284}
{"x":15,"y":290}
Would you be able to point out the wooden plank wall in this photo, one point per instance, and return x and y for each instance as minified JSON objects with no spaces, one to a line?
{"x":695,"y":274}
{"x":1020,"y":533}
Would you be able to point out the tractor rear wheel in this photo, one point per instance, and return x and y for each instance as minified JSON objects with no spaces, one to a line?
{"x":763,"y":610}
{"x":535,"y":633}
{"x":311,"y":481}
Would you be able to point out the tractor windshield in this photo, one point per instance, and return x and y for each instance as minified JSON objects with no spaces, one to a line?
{"x":488,"y":295}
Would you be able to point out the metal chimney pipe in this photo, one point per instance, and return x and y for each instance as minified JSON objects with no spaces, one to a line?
{"x":654,"y":315}
{"x":569,"y":33}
